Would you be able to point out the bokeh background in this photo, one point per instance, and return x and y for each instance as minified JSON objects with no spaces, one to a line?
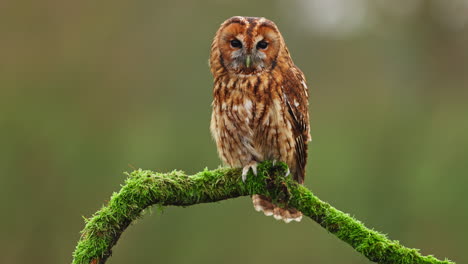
{"x":90,"y":89}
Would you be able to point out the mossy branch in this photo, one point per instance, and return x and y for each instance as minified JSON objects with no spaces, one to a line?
{"x":144,"y":188}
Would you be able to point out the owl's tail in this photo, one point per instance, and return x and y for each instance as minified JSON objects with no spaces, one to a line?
{"x":262,"y":203}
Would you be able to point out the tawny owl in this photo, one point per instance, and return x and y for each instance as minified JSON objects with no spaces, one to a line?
{"x":260,"y":106}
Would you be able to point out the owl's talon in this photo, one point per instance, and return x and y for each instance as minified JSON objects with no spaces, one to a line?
{"x":254,"y":168}
{"x":245,"y":170}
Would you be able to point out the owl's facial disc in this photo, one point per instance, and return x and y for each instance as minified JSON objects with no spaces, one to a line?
{"x":245,"y":57}
{"x":249,"y":46}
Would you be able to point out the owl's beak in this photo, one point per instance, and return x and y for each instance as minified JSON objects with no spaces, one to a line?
{"x":248,"y":61}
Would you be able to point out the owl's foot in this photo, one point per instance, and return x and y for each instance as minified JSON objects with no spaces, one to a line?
{"x":287,"y":172}
{"x":252,"y":165}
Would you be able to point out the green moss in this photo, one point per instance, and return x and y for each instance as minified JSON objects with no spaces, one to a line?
{"x":144,"y":188}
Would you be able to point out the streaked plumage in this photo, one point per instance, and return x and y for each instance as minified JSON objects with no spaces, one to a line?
{"x":260,"y":106}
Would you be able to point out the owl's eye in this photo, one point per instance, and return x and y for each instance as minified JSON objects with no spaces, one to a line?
{"x":236,"y":43}
{"x":262,"y":44}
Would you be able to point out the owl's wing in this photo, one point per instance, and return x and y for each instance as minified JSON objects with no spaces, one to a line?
{"x":296,"y":100}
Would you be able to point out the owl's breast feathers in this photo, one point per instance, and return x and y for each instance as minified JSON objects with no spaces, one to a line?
{"x":262,"y":117}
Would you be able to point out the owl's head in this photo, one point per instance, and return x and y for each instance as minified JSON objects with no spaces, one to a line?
{"x":246,"y":45}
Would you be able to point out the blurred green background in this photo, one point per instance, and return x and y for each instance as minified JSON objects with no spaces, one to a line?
{"x":89,"y":87}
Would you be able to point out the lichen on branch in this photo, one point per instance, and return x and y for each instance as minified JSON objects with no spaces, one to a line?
{"x":144,"y":188}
